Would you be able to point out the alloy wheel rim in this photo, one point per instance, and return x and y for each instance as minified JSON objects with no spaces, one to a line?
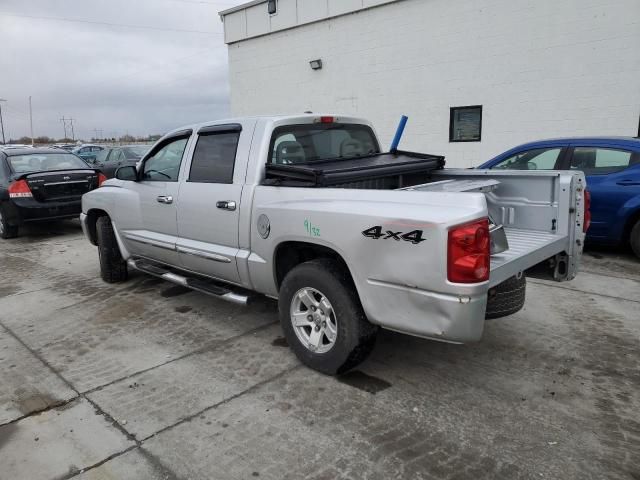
{"x":314,"y":320}
{"x":1,"y":224}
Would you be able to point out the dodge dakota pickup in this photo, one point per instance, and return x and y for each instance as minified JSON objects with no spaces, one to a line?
{"x":308,"y":210}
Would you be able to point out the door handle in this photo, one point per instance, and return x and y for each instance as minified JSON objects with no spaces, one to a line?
{"x":165,"y":199}
{"x":226,"y":205}
{"x":627,"y":182}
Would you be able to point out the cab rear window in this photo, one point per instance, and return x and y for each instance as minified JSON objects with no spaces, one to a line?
{"x":294,"y":144}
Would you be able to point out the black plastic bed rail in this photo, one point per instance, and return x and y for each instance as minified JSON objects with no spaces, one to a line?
{"x":325,"y":173}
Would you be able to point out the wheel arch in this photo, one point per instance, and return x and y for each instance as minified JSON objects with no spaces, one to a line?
{"x":289,"y":254}
{"x":632,"y":219}
{"x":92,"y":220}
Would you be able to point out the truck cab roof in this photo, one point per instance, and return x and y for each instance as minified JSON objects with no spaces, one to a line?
{"x":275,"y":120}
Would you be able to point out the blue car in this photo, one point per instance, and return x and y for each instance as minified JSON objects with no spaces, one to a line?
{"x":612,"y":168}
{"x":88,"y":152}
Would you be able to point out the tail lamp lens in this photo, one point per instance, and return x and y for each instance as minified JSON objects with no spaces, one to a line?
{"x":101,"y":179}
{"x":19,"y":189}
{"x":587,"y":211}
{"x":468,"y":257}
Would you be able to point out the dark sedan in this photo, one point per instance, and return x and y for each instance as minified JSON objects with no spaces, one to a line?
{"x":42,"y":184}
{"x":110,"y":159}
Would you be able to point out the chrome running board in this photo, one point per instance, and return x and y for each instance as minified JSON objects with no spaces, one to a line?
{"x":208,"y":287}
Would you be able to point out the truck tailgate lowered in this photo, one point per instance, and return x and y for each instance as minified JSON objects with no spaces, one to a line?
{"x":526,"y":248}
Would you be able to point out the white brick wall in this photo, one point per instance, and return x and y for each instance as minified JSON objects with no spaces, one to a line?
{"x":539,"y":68}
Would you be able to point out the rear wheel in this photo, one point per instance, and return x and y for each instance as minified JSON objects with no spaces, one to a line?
{"x":112,"y":266}
{"x":6,"y":230}
{"x":322,"y":318}
{"x":634,"y":238}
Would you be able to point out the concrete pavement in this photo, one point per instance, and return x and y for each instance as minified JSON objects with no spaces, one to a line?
{"x":147,"y":380}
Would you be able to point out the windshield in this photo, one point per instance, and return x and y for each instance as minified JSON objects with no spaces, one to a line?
{"x":137,"y":150}
{"x":310,"y":143}
{"x":38,"y":162}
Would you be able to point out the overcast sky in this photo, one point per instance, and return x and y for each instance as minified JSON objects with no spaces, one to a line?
{"x":158,"y":64}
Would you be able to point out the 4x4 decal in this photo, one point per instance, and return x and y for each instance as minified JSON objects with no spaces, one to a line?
{"x":377,"y":233}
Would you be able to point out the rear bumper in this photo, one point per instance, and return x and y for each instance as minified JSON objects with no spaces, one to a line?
{"x":25,"y":210}
{"x":437,"y":316}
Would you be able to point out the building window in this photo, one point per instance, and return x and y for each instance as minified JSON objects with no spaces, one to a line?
{"x":465,"y":124}
{"x":272,"y":6}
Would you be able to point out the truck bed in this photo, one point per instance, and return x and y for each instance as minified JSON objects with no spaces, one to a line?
{"x":344,"y":172}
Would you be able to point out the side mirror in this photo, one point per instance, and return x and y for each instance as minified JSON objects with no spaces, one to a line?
{"x":127,"y":173}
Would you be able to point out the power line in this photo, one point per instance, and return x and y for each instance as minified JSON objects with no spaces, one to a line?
{"x":69,"y":122}
{"x":93,"y":22}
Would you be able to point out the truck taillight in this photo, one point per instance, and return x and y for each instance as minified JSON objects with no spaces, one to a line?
{"x":587,"y":211}
{"x":468,"y":253}
{"x":101,"y":179}
{"x":19,"y":189}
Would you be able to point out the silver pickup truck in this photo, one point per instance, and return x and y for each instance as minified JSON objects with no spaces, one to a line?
{"x":306,"y":209}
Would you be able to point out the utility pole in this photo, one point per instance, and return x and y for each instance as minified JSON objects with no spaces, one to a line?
{"x":98,"y":133}
{"x":64,"y":125}
{"x":1,"y":122}
{"x":31,"y":120}
{"x":70,"y":122}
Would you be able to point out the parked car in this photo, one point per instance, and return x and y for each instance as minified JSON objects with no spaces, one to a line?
{"x":112,"y":158}
{"x":307,"y":210}
{"x":65,"y":146}
{"x":13,"y":146}
{"x":87,"y":152}
{"x":41,"y":184}
{"x":612,"y":168}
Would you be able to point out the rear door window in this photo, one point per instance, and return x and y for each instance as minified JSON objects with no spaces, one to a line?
{"x":600,"y":161}
{"x":535,"y":159}
{"x":102,"y":156}
{"x":214,"y":158}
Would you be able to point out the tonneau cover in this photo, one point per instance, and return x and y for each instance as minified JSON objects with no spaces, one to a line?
{"x":325,"y":173}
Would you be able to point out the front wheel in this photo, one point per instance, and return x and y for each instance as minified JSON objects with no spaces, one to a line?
{"x":112,"y":267}
{"x":634,"y":239}
{"x":322,"y":318}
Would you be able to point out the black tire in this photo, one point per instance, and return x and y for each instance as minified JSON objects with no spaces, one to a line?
{"x":634,"y":239}
{"x":506,"y":298}
{"x":355,"y":335}
{"x":6,"y":230}
{"x":112,"y":267}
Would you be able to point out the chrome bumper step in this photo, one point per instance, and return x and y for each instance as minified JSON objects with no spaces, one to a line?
{"x":209,"y":287}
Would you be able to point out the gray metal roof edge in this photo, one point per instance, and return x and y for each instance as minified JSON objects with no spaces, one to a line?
{"x":237,"y":8}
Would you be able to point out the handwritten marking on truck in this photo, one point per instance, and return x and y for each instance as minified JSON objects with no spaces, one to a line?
{"x":311,"y":229}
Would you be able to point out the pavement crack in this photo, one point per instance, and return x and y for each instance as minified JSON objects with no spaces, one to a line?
{"x":207,"y":348}
{"x":97,"y":464}
{"x":223,"y":402}
{"x":39,"y":357}
{"x":53,"y":406}
{"x":545,"y":284}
